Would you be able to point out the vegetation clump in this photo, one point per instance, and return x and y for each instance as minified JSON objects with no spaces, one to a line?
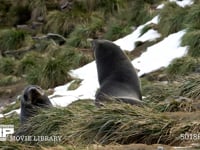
{"x":121,"y":123}
{"x":191,"y":88}
{"x":49,"y":64}
{"x":11,"y":39}
{"x":191,"y":65}
{"x":192,"y":39}
{"x":171,"y":22}
{"x":8,"y":66}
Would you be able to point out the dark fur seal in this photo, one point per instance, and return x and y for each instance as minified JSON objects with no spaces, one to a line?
{"x":32,"y":98}
{"x":117,"y":76}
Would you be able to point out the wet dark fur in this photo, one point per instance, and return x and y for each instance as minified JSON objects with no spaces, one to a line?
{"x":32,"y":98}
{"x":117,"y":76}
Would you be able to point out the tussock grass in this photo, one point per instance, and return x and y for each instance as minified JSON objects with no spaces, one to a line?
{"x":63,"y":23}
{"x":116,"y":29}
{"x":82,"y":124}
{"x":192,"y":39}
{"x":176,"y":104}
{"x":105,"y":6}
{"x":139,"y":12}
{"x":16,"y":146}
{"x":58,"y":22}
{"x":8,"y":80}
{"x":158,"y":92}
{"x":52,"y":69}
{"x":191,"y":88}
{"x":11,"y":39}
{"x":8,"y":66}
{"x":73,"y":57}
{"x":30,"y":61}
{"x":183,"y":66}
{"x":54,"y":73}
{"x":171,"y":22}
{"x":192,"y":18}
{"x":79,"y":37}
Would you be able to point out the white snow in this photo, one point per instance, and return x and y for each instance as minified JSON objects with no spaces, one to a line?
{"x":128,"y":42}
{"x":183,"y":3}
{"x":160,"y":6}
{"x":160,"y":54}
{"x":10,"y":113}
{"x":150,"y":35}
{"x":63,"y":97}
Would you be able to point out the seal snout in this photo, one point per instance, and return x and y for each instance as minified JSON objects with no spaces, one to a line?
{"x":36,"y":90}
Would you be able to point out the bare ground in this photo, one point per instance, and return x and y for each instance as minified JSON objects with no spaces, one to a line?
{"x":9,"y":93}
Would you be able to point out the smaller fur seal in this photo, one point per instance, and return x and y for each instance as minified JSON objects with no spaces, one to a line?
{"x":33,"y":98}
{"x":117,"y":77}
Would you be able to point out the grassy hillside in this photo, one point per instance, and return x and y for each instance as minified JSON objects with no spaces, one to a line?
{"x":30,"y":55}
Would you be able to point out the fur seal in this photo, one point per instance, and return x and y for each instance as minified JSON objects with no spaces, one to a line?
{"x":117,"y":76}
{"x":32,"y":99}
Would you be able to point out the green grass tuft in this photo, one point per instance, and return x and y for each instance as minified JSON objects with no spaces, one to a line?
{"x":192,"y":39}
{"x":183,"y":66}
{"x":192,"y":18}
{"x":116,"y":29}
{"x":171,"y":22}
{"x":54,"y":73}
{"x":63,"y":23}
{"x":191,"y":88}
{"x":51,"y":70}
{"x":8,"y":80}
{"x":11,"y":39}
{"x":83,"y":123}
{"x":138,"y":13}
{"x":79,"y":37}
{"x":30,"y":61}
{"x":58,"y":22}
{"x":8,"y":66}
{"x":158,"y":91}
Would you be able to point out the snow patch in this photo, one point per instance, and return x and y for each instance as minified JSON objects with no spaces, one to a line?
{"x":183,"y":3}
{"x":160,"y":54}
{"x":128,"y":42}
